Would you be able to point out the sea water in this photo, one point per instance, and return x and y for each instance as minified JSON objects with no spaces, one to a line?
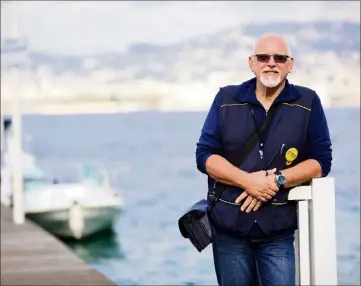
{"x":150,"y":158}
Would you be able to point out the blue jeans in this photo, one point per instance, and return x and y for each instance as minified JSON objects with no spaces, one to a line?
{"x":240,"y":261}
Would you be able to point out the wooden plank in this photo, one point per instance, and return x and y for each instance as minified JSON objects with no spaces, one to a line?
{"x":32,"y":256}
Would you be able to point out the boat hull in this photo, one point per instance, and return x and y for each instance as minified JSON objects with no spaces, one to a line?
{"x":93,"y":220}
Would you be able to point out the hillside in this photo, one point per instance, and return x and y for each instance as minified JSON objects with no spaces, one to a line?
{"x":189,"y":73}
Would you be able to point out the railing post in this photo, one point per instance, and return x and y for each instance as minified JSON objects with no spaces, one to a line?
{"x":14,"y":47}
{"x":16,"y":160}
{"x":302,"y":246}
{"x":304,"y":243}
{"x":2,"y":128}
{"x":323,"y":233}
{"x":316,"y":240}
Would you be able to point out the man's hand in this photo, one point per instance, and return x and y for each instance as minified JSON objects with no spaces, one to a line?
{"x":250,"y":203}
{"x":264,"y":186}
{"x":261,"y":185}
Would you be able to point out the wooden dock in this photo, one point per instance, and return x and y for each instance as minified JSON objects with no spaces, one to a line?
{"x":32,"y":256}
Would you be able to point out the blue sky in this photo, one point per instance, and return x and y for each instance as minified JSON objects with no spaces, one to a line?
{"x":87,"y":27}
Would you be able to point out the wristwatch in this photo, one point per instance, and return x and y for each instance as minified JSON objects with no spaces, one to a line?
{"x":280,"y":179}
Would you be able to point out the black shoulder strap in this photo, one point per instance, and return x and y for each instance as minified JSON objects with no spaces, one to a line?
{"x":248,"y":148}
{"x":254,"y":138}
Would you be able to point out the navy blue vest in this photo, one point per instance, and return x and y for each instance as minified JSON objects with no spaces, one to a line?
{"x":287,"y":130}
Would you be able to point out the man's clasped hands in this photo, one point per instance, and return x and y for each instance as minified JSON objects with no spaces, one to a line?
{"x":260,"y":187}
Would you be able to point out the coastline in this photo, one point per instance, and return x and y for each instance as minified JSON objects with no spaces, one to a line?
{"x":54,"y":107}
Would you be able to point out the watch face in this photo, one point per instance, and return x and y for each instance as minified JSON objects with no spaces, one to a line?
{"x":281,"y":179}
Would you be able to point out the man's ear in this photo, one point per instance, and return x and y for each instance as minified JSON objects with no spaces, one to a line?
{"x":291,"y":64}
{"x":250,"y":63}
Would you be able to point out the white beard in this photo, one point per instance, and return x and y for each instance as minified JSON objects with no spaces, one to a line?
{"x":270,"y":81}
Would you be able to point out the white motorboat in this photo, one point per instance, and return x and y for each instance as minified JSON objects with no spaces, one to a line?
{"x":68,"y":210}
{"x":73,"y":210}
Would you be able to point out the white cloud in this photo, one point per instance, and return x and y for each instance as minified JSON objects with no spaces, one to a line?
{"x":85,"y":27}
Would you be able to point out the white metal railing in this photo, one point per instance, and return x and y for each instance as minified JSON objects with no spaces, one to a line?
{"x":315,"y":243}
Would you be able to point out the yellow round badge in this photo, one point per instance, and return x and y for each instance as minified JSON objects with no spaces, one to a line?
{"x":291,"y":155}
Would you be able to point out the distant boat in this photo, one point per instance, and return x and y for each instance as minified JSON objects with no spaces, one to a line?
{"x":68,"y":210}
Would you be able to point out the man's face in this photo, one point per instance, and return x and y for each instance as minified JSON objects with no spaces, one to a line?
{"x":271,"y":62}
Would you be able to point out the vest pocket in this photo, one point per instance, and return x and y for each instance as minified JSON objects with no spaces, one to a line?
{"x":225,"y":212}
{"x":284,"y":216}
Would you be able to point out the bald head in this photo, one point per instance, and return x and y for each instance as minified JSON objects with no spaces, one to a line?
{"x":271,"y":43}
{"x":271,"y":60}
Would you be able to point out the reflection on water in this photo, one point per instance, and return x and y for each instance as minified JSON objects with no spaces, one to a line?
{"x":97,"y":248}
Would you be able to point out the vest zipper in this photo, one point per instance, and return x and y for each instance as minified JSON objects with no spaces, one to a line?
{"x":261,"y":149}
{"x":261,"y":145}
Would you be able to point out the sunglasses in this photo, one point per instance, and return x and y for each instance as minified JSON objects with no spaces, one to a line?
{"x":264,"y":58}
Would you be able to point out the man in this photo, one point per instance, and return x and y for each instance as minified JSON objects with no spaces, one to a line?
{"x":253,"y":222}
